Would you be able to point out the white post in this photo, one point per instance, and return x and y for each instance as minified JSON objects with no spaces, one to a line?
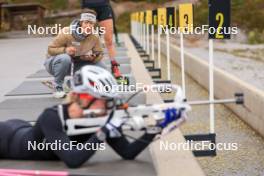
{"x":152,"y":42}
{"x":168,"y":52}
{"x":159,"y":56}
{"x":211,"y":85}
{"x":144,"y":37}
{"x":132,"y":29}
{"x":140,"y":33}
{"x":147,"y":38}
{"x":135,"y":30}
{"x":182,"y":65}
{"x":136,"y":33}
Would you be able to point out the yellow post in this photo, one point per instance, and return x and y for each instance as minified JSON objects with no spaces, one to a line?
{"x":186,"y":17}
{"x":162,"y":17}
{"x":149,"y":17}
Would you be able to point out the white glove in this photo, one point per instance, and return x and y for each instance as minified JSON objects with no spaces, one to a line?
{"x":113,"y":132}
{"x":136,"y":122}
{"x":114,"y":127}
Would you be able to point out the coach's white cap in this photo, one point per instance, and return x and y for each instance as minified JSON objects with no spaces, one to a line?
{"x":88,"y":17}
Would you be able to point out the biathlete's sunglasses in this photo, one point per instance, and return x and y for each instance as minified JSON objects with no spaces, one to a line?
{"x":84,"y":96}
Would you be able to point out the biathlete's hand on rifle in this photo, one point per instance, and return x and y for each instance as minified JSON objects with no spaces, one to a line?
{"x":70,"y":50}
{"x":112,"y":129}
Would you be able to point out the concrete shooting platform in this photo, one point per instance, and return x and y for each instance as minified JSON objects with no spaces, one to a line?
{"x":29,"y":99}
{"x":25,"y":105}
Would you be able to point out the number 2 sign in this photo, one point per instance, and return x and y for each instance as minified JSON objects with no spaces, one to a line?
{"x":219,"y":19}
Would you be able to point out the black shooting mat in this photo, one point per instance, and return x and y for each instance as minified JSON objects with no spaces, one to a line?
{"x":118,"y":49}
{"x":25,"y":108}
{"x":124,"y":69}
{"x":118,"y":54}
{"x":37,"y":88}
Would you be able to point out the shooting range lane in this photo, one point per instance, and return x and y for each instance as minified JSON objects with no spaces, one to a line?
{"x":21,"y":57}
{"x":26,"y":103}
{"x":124,"y":68}
{"x":229,"y":129}
{"x":25,"y":108}
{"x":167,"y":162}
{"x":36,"y":87}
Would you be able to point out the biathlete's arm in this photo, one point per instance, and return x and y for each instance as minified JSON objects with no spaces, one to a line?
{"x":130,"y":150}
{"x":51,"y":127}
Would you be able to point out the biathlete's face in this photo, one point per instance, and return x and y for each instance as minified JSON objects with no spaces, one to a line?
{"x":85,"y":102}
{"x":87,"y":27}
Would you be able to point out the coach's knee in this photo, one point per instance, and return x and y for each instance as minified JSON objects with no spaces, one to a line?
{"x":63,"y":59}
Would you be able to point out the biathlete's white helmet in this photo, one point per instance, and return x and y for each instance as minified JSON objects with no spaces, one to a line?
{"x":95,"y":81}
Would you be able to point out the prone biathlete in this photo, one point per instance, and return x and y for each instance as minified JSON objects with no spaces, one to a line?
{"x":50,"y":127}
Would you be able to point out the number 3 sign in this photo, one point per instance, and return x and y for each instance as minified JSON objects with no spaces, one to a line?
{"x":186,"y":17}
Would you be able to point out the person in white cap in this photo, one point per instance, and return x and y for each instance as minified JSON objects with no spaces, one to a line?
{"x":77,"y":44}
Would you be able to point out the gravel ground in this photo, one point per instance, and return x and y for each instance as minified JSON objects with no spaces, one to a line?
{"x":248,"y":69}
{"x":248,"y":160}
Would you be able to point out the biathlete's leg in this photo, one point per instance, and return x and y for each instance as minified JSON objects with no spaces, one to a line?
{"x":108,"y":36}
{"x":114,"y":26}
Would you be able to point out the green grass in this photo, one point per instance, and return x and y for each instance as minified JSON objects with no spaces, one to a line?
{"x":245,"y":14}
{"x":123,"y":23}
{"x":50,"y":4}
{"x":149,"y":1}
{"x":256,"y":54}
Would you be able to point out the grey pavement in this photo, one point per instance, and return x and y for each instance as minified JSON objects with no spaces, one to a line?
{"x":20,"y":58}
{"x":24,"y":57}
